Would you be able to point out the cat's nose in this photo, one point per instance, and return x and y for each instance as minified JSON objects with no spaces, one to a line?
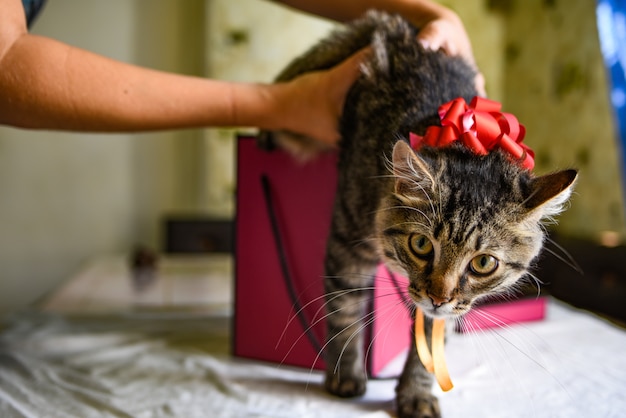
{"x":438,"y":300}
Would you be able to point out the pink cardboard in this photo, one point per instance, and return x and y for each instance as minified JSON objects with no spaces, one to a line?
{"x":273,"y":322}
{"x":391,"y":331}
{"x":496,"y":315}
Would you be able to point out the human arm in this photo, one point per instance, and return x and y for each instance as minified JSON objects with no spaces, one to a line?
{"x":422,"y":13}
{"x":46,"y":84}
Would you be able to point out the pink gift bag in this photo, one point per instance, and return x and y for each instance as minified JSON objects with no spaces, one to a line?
{"x":283,"y":217}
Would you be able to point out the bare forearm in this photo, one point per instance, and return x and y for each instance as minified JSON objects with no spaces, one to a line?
{"x":50,"y":85}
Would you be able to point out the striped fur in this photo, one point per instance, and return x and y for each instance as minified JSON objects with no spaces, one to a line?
{"x":465,"y":205}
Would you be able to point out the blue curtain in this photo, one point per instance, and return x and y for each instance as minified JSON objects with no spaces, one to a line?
{"x":611,"y":19}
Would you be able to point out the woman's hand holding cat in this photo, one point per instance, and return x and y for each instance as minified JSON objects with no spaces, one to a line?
{"x":311,"y":104}
{"x":440,"y":29}
{"x":445,"y":31}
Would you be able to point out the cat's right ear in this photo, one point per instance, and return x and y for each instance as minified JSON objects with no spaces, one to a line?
{"x":412,"y":174}
{"x":549,"y":193}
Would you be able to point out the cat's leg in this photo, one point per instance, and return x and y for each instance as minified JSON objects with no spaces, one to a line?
{"x":414,"y":396}
{"x":348,"y":296}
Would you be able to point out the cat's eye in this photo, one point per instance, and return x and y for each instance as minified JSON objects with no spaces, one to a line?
{"x":483,"y":264}
{"x":420,"y":245}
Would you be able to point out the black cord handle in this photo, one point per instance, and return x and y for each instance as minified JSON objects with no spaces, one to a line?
{"x":284,"y":264}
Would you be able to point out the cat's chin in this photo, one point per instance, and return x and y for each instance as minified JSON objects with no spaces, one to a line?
{"x":442,"y":312}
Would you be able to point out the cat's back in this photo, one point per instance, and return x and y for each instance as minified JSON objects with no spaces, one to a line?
{"x":399,"y":90}
{"x":402,"y":85}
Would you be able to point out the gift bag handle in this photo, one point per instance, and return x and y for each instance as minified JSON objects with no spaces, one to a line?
{"x":284,"y":263}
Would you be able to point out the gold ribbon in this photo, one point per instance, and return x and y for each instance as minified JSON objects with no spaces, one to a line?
{"x":435,"y":363}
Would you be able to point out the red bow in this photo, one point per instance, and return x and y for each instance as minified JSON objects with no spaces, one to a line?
{"x":481,"y":127}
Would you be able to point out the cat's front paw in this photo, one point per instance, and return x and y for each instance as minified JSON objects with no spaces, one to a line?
{"x":422,"y":406}
{"x":345,"y":386}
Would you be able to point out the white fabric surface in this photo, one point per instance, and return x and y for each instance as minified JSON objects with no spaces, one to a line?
{"x":571,"y":365}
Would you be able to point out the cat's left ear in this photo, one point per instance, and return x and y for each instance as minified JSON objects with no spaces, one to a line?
{"x":549,"y":193}
{"x":412,"y":174}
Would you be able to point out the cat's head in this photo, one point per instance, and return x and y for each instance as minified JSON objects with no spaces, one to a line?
{"x":463,"y":227}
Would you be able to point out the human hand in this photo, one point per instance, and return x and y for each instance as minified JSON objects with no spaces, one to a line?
{"x":311,"y":104}
{"x":444,"y":31}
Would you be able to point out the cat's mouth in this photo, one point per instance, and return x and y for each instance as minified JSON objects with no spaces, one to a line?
{"x":438,"y":309}
{"x":446,"y":311}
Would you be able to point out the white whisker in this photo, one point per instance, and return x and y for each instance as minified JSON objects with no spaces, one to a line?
{"x":521,"y":344}
{"x":566,"y":257}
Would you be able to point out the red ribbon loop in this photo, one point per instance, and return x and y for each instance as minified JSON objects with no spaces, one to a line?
{"x":481,"y":127}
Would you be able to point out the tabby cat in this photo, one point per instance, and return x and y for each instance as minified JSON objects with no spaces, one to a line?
{"x":460,"y":226}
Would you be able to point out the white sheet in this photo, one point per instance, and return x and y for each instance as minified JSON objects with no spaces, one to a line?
{"x":163,"y":365}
